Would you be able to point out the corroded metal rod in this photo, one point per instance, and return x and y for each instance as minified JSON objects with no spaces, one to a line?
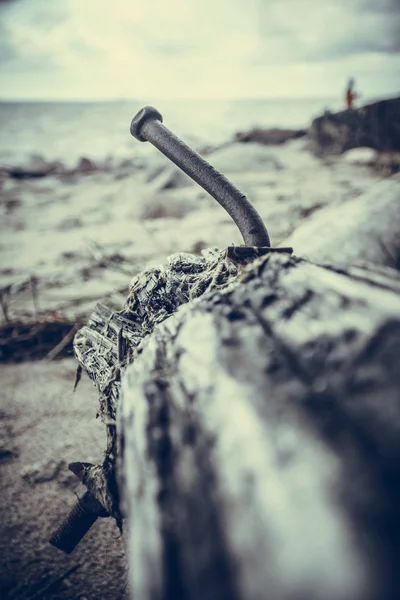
{"x":147,"y":126}
{"x":79,"y":520}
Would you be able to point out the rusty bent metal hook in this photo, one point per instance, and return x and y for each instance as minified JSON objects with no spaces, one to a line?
{"x":147,"y":126}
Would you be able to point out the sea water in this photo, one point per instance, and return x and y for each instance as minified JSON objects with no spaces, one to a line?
{"x":67,"y":131}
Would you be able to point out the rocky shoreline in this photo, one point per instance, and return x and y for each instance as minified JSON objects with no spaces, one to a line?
{"x":375,"y":126}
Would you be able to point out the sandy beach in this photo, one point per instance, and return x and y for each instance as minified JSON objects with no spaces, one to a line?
{"x":44,"y":426}
{"x":83,"y":235}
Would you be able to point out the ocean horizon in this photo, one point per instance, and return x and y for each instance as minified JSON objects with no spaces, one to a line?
{"x":99,"y":130}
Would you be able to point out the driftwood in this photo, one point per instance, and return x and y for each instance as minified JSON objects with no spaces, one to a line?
{"x":259,"y":437}
{"x":258,"y":423}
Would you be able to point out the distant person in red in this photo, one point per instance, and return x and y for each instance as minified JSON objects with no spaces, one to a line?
{"x":350,"y":95}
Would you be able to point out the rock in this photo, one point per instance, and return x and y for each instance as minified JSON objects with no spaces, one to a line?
{"x":240,"y":158}
{"x":360,"y":156}
{"x":375,"y":126}
{"x":270,"y":137}
{"x":37,"y":167}
{"x":85,"y":165}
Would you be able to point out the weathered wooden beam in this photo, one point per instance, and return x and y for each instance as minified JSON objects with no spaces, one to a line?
{"x":259,"y":440}
{"x":258,"y":424}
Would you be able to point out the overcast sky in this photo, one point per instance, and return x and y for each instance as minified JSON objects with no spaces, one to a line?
{"x":150,"y":49}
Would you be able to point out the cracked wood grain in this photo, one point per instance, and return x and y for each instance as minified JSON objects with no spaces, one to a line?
{"x":259,"y":432}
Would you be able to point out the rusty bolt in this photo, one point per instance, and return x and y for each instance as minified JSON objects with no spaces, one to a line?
{"x":147,"y":126}
{"x":78,"y":522}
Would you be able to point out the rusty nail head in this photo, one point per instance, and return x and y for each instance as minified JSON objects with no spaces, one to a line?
{"x":148,"y":113}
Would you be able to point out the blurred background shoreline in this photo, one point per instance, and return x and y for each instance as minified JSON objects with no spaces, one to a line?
{"x":85,"y":206}
{"x":99,"y":130}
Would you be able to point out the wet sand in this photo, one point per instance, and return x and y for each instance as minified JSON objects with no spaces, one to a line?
{"x":44,"y":426}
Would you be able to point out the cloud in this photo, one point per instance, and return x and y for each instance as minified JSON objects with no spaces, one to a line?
{"x":323,"y":31}
{"x":379,"y":6}
{"x":7,"y":50}
{"x":196,"y":48}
